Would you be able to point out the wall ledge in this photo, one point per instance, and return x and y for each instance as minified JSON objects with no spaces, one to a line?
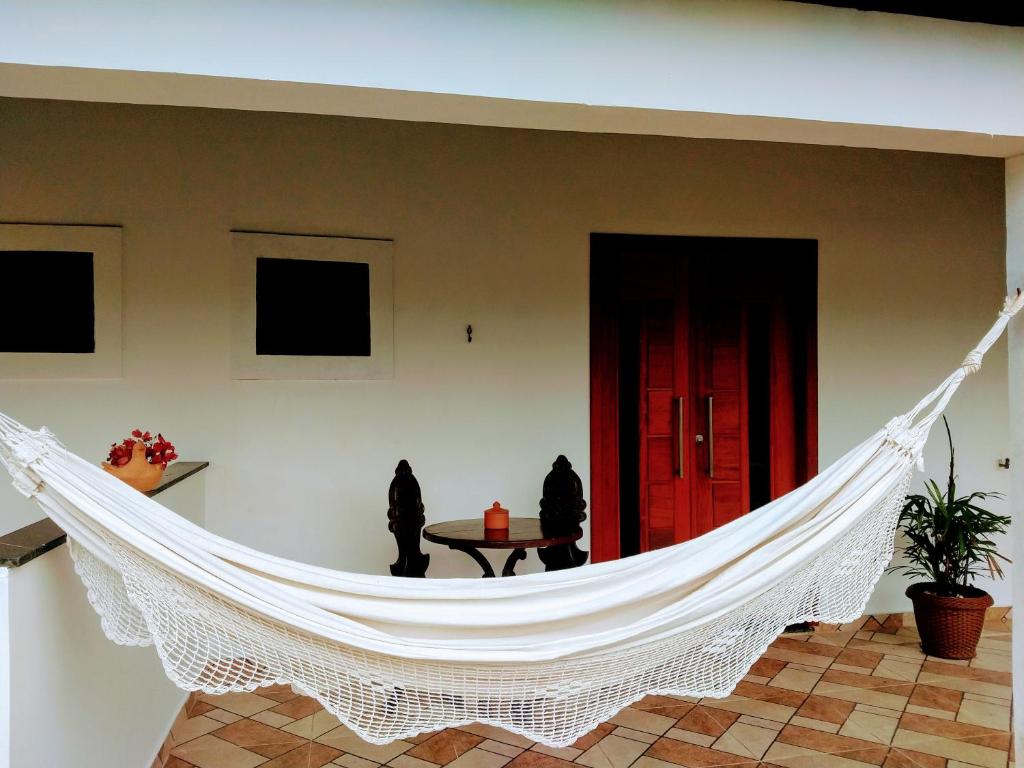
{"x":25,"y":544}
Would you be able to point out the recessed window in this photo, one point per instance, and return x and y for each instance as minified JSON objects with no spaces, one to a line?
{"x":62,"y":303}
{"x":307,"y":307}
{"x":63,"y":322}
{"x":311,"y":307}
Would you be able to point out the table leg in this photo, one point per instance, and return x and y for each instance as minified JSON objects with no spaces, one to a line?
{"x":510,"y":564}
{"x":480,"y":559}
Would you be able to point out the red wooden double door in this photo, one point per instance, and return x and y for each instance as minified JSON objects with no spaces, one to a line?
{"x":703,"y":383}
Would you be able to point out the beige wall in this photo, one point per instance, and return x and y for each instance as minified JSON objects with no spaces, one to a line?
{"x":491,"y":228}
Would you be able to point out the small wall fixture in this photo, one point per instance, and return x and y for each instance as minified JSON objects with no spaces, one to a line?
{"x":1004,"y":463}
{"x":469,"y":334}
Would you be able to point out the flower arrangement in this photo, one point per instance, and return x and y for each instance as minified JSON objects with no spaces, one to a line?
{"x":159,"y":450}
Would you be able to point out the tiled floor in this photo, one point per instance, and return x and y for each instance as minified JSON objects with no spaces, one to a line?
{"x":841,"y":697}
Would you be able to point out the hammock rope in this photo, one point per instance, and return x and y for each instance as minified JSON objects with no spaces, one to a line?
{"x":548,"y":655}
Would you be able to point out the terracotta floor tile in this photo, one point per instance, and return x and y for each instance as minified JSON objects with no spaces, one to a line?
{"x":272,"y":719}
{"x":984,"y":713}
{"x":309,"y":755}
{"x":965,"y":684}
{"x":693,"y":755}
{"x":585,"y":742}
{"x":815,"y":725}
{"x":971,"y":673}
{"x":895,"y":668}
{"x":793,"y":756}
{"x":824,"y":708}
{"x":344,"y":739}
{"x":816,"y":649}
{"x":869,"y":682}
{"x":531,"y":759}
{"x":406,"y":761}
{"x":176,"y":762}
{"x":643,"y":721}
{"x":311,"y":726}
{"x":941,"y":714}
{"x":744,"y":706}
{"x":629,"y":733}
{"x":480,"y":758}
{"x":223,"y":716}
{"x":193,"y":728}
{"x":711,"y":722}
{"x":907,"y":758}
{"x":784,"y":654}
{"x":444,"y":747}
{"x":663,"y":705}
{"x":278,"y":692}
{"x":210,"y":752}
{"x":690,"y":737}
{"x":868,"y":726}
{"x":354,"y":761}
{"x":856,"y":657}
{"x":297,"y":708}
{"x":506,"y":737}
{"x":745,"y":740}
{"x":612,"y":752}
{"x":974,"y":734}
{"x":766,"y":667}
{"x":782,"y":696}
{"x":510,"y":750}
{"x":795,"y":679}
{"x":952,"y":749}
{"x":934,"y":697}
{"x":258,"y":738}
{"x":196,"y":707}
{"x":243,"y":704}
{"x":908,"y":651}
{"x":563,"y":753}
{"x":855,"y":749}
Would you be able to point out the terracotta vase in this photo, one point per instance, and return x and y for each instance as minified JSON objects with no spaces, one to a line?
{"x":138,"y":473}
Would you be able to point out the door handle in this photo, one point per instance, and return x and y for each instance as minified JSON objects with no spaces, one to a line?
{"x":679,"y":438}
{"x":711,"y":437}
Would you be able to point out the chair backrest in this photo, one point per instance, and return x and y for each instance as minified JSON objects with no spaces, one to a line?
{"x":406,"y":518}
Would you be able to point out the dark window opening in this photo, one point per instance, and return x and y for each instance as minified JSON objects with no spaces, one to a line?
{"x":306,"y":307}
{"x":51,"y":295}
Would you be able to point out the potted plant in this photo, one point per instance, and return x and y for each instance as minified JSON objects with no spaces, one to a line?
{"x":140,"y":460}
{"x":949,"y":543}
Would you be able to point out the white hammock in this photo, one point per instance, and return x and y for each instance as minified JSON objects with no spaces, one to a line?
{"x":546,"y":655}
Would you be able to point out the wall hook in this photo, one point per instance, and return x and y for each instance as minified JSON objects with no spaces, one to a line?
{"x":1004,"y":463}
{"x":469,"y":334}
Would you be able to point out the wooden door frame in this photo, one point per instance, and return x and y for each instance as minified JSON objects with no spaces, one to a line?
{"x":605,"y":249}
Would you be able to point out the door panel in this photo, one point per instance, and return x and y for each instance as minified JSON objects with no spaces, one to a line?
{"x":702,"y":320}
{"x":658,"y":490}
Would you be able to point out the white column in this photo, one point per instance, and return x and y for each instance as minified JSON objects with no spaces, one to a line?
{"x":1015,"y":279}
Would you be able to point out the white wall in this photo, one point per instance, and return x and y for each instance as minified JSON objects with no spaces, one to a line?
{"x":1014,"y":280}
{"x":742,"y":58}
{"x":491,"y":227}
{"x":56,"y":664}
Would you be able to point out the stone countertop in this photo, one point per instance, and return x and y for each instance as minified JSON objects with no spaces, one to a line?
{"x":25,"y":544}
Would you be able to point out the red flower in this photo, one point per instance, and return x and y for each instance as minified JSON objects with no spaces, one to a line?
{"x":159,"y":451}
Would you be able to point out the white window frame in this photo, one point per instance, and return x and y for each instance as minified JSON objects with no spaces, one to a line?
{"x":105,"y":245}
{"x":377,"y":254}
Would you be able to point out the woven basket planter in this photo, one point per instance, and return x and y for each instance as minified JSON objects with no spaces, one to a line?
{"x":950,"y":627}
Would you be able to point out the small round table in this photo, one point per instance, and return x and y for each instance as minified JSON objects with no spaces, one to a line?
{"x":470,"y":536}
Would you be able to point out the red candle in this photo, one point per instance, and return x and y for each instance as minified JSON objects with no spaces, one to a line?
{"x":496,"y":518}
